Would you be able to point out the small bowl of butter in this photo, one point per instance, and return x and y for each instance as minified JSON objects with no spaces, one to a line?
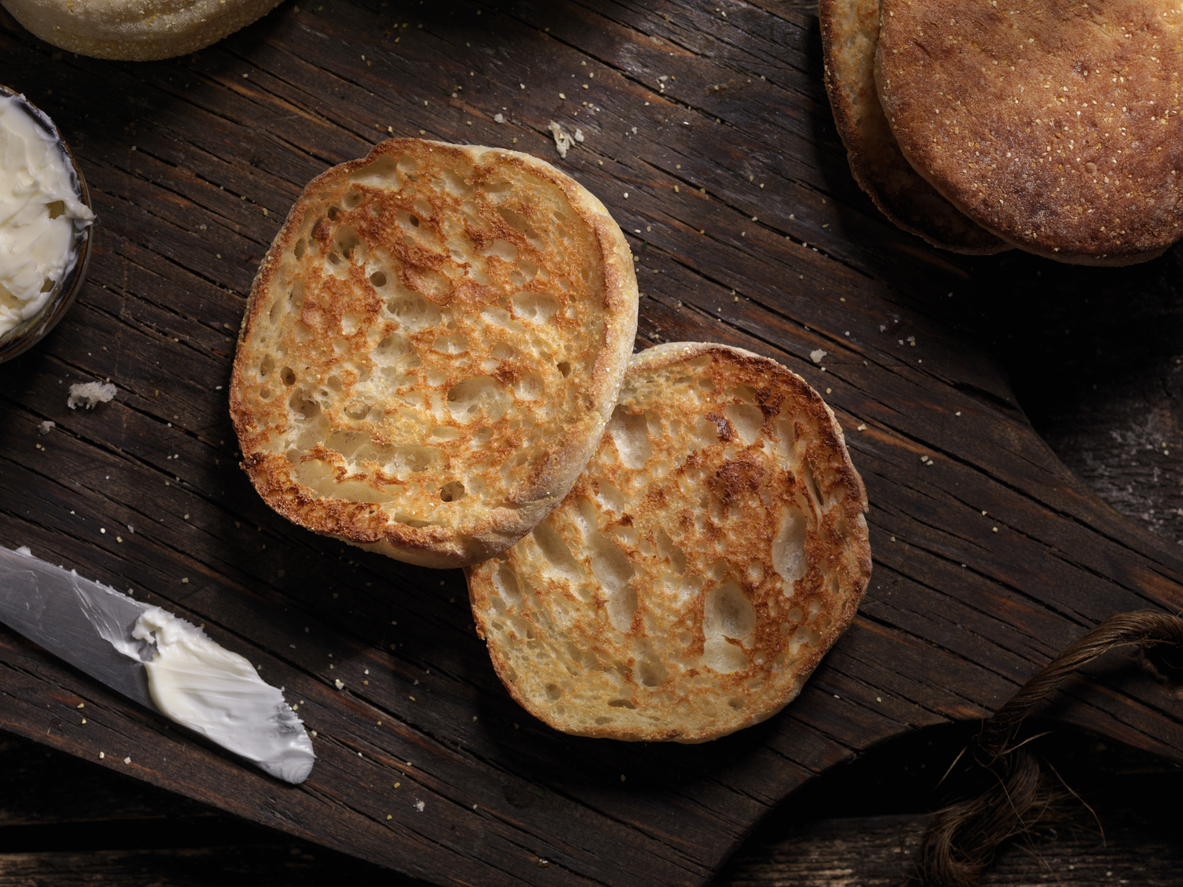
{"x":45,"y":225}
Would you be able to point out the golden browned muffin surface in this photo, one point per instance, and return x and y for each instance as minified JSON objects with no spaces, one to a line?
{"x":433,"y":345}
{"x":710,"y":554}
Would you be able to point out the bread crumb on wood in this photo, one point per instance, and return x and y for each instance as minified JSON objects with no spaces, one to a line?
{"x":46,"y":426}
{"x":90,"y":393}
{"x":563,"y":139}
{"x":817,"y":355}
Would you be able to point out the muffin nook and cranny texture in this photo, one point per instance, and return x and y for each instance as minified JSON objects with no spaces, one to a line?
{"x":432,"y":350}
{"x":709,"y":556}
{"x":432,"y":347}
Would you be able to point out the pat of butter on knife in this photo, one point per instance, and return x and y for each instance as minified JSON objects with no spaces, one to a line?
{"x":156,"y":659}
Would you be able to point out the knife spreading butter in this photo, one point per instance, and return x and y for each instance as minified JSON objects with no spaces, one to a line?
{"x":157,"y":659}
{"x":219,"y":695}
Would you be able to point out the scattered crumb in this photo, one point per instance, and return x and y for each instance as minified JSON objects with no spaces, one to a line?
{"x":817,"y":355}
{"x":498,"y":118}
{"x":88,"y":394}
{"x":419,"y":805}
{"x":563,"y":139}
{"x":46,"y":426}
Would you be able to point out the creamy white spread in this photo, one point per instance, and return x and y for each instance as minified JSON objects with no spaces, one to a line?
{"x":219,"y":695}
{"x":41,"y":213}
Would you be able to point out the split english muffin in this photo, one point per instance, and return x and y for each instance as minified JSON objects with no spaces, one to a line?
{"x":709,"y":556}
{"x":432,"y":348}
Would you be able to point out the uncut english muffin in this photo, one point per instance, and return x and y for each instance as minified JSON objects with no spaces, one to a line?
{"x":135,"y":30}
{"x":850,"y":34}
{"x":1054,"y":124}
{"x":710,"y":554}
{"x":433,"y":345}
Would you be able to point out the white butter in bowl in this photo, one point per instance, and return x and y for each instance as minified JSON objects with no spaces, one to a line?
{"x":45,"y":225}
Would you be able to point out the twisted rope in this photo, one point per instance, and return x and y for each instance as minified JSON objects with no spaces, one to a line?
{"x":1018,"y":797}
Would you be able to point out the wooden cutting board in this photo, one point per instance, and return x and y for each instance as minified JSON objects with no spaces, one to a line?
{"x":707,"y":133}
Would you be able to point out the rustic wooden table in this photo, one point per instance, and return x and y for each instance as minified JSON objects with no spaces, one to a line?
{"x":707,"y":134}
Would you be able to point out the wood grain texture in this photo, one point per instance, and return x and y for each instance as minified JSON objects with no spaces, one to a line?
{"x":707,"y":135}
{"x":857,"y":825}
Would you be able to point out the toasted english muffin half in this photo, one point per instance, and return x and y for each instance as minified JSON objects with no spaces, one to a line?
{"x":1053,"y":124}
{"x":135,"y":30}
{"x":850,"y":34}
{"x":433,"y":345}
{"x":710,"y":554}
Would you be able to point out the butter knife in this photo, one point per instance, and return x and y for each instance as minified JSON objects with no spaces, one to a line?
{"x":156,"y":659}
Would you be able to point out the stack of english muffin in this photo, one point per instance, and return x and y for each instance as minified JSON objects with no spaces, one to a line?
{"x":1039,"y":124}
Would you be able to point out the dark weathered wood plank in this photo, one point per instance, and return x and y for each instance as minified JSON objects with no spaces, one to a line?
{"x":859,"y":824}
{"x":706,"y":132}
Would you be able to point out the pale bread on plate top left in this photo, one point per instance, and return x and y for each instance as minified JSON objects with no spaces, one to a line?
{"x":711,"y":553}
{"x":135,"y":30}
{"x":433,"y":345}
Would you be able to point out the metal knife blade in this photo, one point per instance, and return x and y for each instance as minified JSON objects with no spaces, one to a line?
{"x":103,"y":633}
{"x":76,"y":620}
